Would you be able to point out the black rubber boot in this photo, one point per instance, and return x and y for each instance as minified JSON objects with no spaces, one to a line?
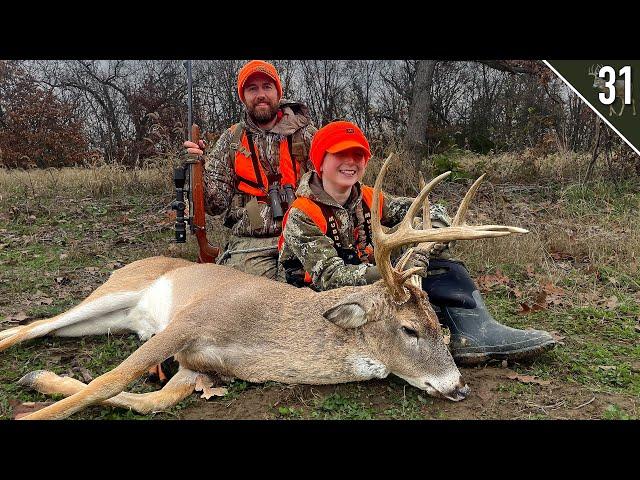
{"x":475,"y":336}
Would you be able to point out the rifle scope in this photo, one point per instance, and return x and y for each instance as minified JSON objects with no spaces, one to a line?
{"x":179,"y":205}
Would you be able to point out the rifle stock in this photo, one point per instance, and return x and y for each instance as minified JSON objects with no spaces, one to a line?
{"x":207,"y":253}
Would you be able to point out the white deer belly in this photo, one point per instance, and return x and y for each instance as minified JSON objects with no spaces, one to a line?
{"x":152,"y":314}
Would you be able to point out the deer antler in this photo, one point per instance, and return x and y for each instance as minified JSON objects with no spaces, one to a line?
{"x":594,"y":69}
{"x":386,"y":242}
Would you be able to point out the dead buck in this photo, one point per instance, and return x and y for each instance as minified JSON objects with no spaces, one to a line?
{"x":215,"y":319}
{"x":619,"y":86}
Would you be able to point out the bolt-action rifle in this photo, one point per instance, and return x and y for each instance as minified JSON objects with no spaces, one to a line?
{"x":188,"y":180}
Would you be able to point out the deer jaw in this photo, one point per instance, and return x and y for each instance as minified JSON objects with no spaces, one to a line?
{"x":401,"y":338}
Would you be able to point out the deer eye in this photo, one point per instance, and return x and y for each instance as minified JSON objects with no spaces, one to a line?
{"x":409,"y":331}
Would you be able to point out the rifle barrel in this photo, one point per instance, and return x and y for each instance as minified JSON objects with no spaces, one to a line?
{"x":190,"y":100}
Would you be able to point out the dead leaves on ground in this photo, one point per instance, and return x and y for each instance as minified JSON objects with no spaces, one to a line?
{"x":548,"y":296}
{"x":19,"y":318}
{"x":540,"y":297}
{"x":511,"y":375}
{"x":27,"y":408}
{"x":204,"y":384}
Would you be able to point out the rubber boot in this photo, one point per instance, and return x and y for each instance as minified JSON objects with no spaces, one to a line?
{"x":475,"y":336}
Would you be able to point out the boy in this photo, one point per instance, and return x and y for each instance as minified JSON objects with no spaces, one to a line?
{"x":326,"y":243}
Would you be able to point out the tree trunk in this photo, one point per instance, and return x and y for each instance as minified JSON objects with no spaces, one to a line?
{"x":414,"y":141}
{"x":594,"y":155}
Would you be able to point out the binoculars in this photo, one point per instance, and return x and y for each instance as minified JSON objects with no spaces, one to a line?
{"x":275,"y":199}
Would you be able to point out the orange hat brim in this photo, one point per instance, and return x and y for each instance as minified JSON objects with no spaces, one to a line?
{"x":345,"y":145}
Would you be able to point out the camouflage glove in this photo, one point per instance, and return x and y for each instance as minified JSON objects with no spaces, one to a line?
{"x":419,"y":258}
{"x":372,"y":275}
{"x":439,"y":248}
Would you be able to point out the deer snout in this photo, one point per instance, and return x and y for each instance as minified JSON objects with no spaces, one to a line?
{"x":459,"y":393}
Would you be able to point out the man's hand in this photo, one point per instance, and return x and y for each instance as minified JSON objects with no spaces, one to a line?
{"x":419,"y":258}
{"x":194,"y":149}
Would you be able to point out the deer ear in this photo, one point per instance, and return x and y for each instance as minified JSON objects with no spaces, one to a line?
{"x":351,"y":312}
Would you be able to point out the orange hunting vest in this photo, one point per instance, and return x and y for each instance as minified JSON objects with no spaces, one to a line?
{"x":250,"y":172}
{"x":322,"y":215}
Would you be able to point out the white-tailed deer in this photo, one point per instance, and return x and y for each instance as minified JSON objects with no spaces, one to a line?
{"x":215,"y":319}
{"x":619,"y":86}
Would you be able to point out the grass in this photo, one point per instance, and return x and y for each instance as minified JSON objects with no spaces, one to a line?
{"x":64,"y":231}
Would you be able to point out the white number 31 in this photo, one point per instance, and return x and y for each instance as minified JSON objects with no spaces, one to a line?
{"x":615,"y":86}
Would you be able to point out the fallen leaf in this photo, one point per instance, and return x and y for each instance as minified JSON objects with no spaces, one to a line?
{"x":525,"y":309}
{"x":91,"y":269}
{"x":63,"y":256}
{"x":63,"y":280}
{"x":44,"y":301}
{"x":607,"y":367}
{"x":17,"y":318}
{"x":557,"y":337}
{"x":528,"y":379}
{"x":27,"y":408}
{"x":529,"y":271}
{"x":551,"y":289}
{"x":86,"y":374}
{"x":637,"y":328}
{"x":613,"y":280}
{"x":612,"y":303}
{"x":204,"y":383}
{"x":561,"y":255}
{"x":487,"y":282}
{"x":447,"y":339}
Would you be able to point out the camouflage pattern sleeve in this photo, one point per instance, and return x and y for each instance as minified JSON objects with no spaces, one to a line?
{"x":395,"y":208}
{"x":219,"y":176}
{"x":318,"y":255}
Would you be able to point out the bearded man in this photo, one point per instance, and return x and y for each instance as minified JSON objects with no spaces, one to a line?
{"x":253,"y":170}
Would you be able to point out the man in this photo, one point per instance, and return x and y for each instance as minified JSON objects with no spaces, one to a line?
{"x":252,"y":172}
{"x":326,"y":243}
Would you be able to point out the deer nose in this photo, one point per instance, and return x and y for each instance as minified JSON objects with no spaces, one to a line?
{"x":460,"y":393}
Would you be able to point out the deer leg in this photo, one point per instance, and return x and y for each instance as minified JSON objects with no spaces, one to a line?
{"x":92,"y":316}
{"x":633,"y":105}
{"x":158,"y":348}
{"x":622,"y":108}
{"x":178,"y":388}
{"x":9,"y":332}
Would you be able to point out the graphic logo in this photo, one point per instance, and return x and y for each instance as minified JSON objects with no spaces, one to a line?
{"x":611,"y":89}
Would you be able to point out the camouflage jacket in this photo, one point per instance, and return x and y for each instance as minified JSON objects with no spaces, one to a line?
{"x":304,"y":242}
{"x":220,"y":182}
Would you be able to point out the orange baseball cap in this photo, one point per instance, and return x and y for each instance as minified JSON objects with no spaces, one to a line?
{"x":336,"y":137}
{"x":258,"y":66}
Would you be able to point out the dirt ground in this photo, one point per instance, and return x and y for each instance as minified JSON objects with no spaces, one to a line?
{"x":575,"y":275}
{"x":488,"y":400}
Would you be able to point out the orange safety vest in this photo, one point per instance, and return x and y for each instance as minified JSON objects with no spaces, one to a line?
{"x":322,"y":215}
{"x":250,"y":173}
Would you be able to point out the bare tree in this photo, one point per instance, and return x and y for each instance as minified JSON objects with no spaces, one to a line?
{"x":325,"y":85}
{"x":415,"y":138}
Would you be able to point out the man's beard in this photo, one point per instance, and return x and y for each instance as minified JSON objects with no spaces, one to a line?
{"x":263,"y":115}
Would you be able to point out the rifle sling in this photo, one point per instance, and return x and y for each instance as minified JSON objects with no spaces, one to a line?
{"x":254,"y":161}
